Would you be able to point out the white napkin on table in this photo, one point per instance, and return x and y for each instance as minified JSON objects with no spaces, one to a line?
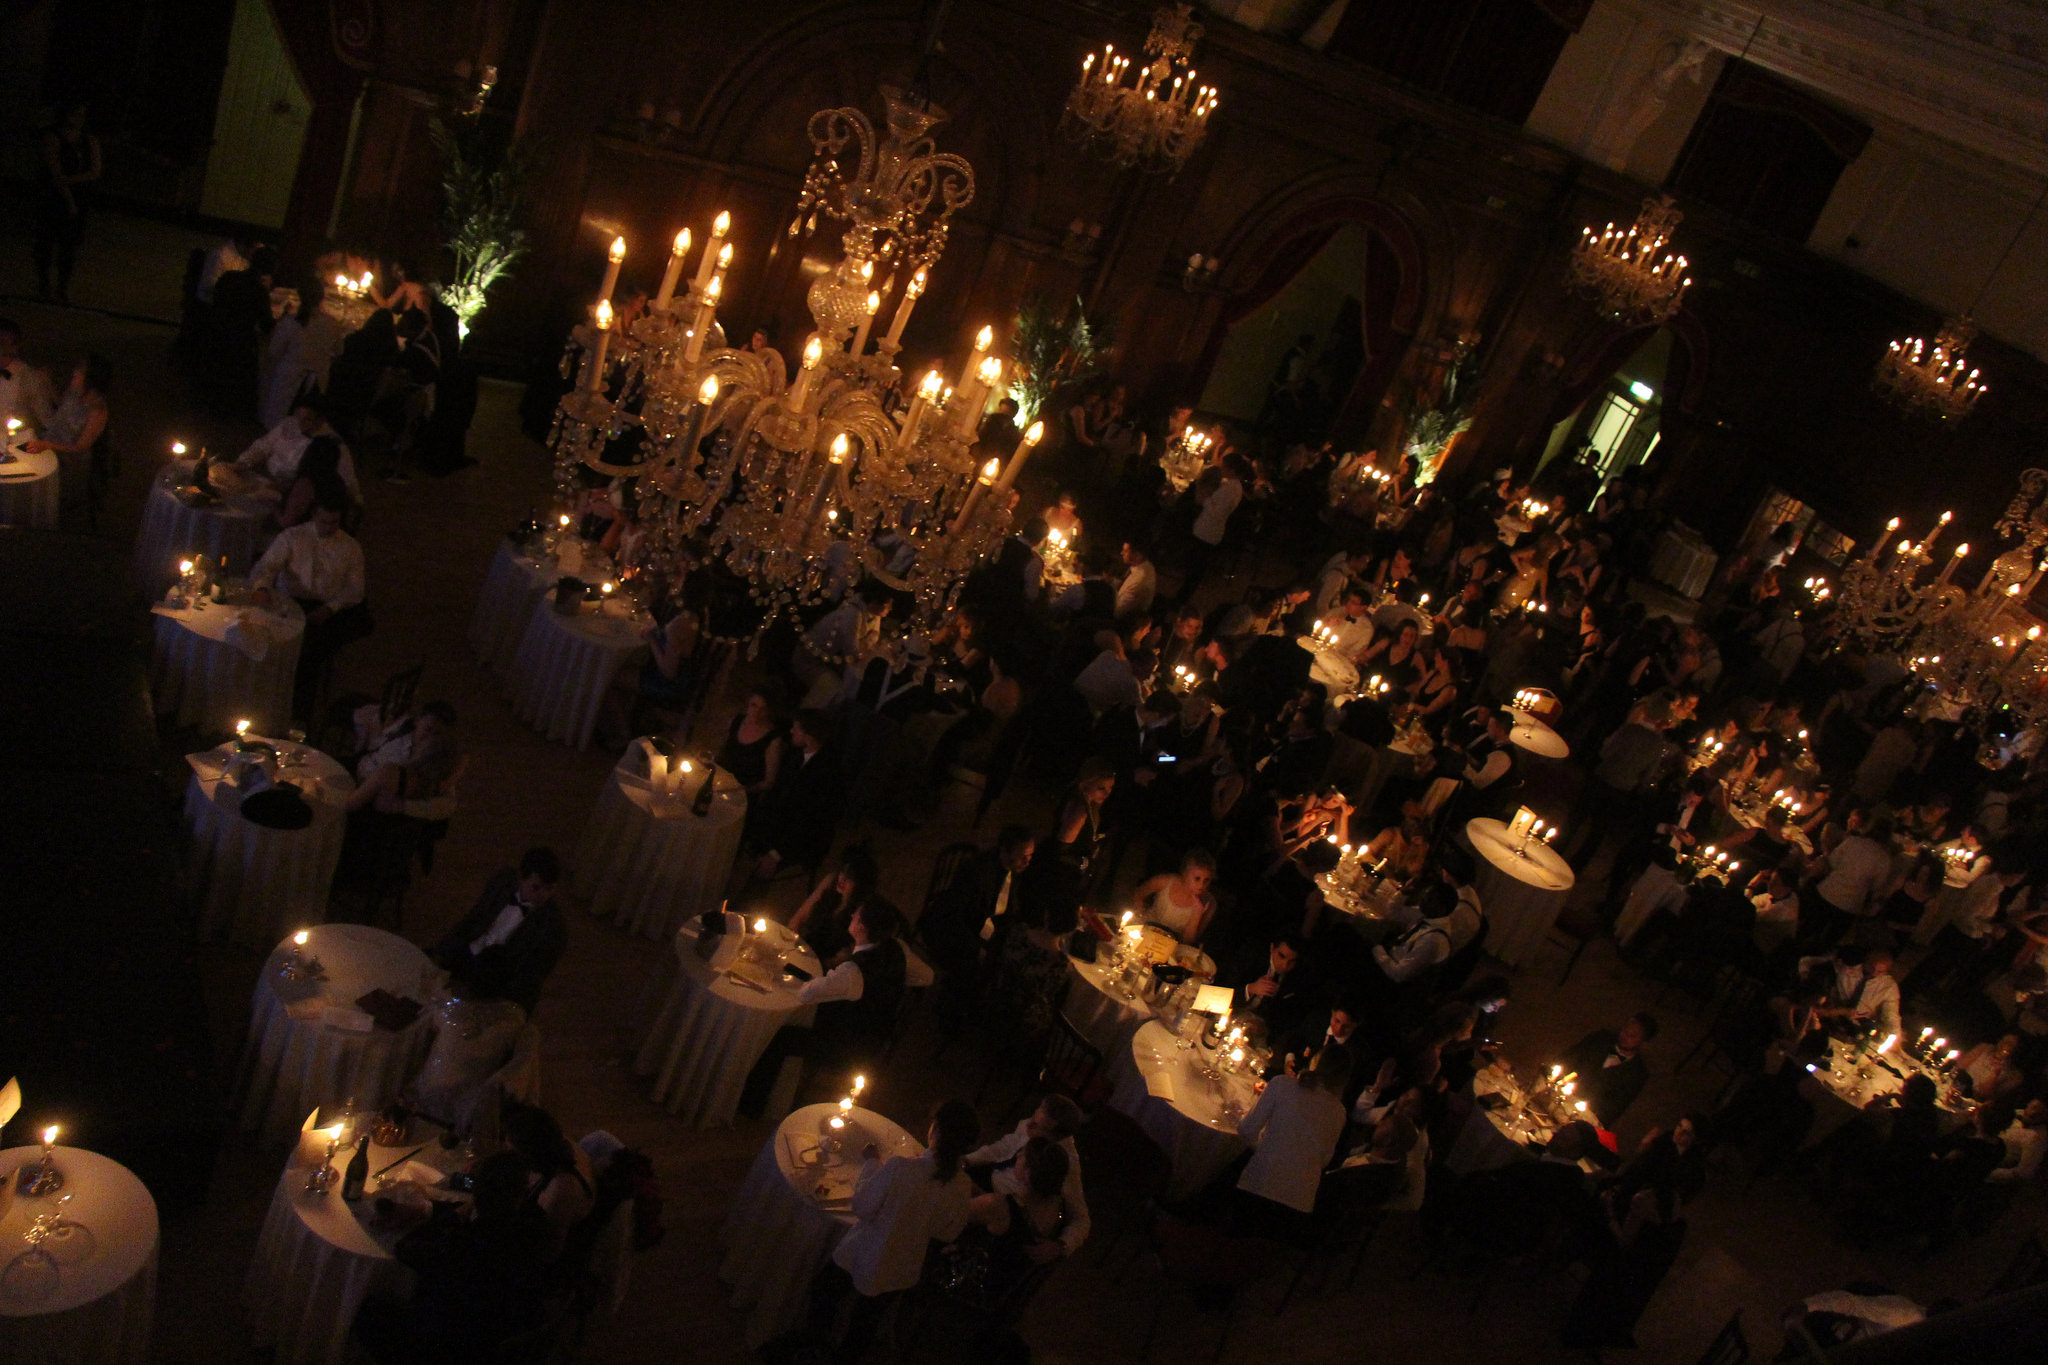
{"x":250,"y":633}
{"x":1159,"y":1085}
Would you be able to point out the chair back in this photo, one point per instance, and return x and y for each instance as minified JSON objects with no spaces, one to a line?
{"x":1073,"y":1065}
{"x":2028,"y":1267}
{"x":400,"y":689}
{"x":945,"y":869}
{"x":1729,"y":1346}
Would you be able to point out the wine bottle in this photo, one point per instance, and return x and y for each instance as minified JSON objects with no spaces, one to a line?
{"x":358,"y":1173}
{"x":700,"y":804}
{"x":202,"y":474}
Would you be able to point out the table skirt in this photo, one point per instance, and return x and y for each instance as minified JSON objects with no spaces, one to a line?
{"x":702,"y":1047}
{"x":1106,"y":1020}
{"x":113,"y":1326}
{"x":171,"y":531}
{"x":775,"y":1243}
{"x":255,"y":885}
{"x":512,"y":589}
{"x":210,"y":684}
{"x":1197,"y":1153}
{"x":1519,"y":915}
{"x":648,"y":873}
{"x":559,"y":678}
{"x":302,"y":1291}
{"x":30,"y":502}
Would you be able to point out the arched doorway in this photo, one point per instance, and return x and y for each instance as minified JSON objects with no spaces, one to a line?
{"x":1309,"y":344}
{"x":1618,"y":395}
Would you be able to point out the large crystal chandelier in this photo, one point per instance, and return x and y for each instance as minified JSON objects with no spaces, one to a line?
{"x":1628,"y":273}
{"x":1157,"y":120}
{"x":1933,"y":380}
{"x":790,"y":483}
{"x":1970,"y":648}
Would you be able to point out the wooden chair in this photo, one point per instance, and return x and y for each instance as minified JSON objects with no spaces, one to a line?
{"x":401,"y":689}
{"x":1576,"y":927}
{"x":1073,"y":1066}
{"x":945,"y":868}
{"x":1729,"y":1346}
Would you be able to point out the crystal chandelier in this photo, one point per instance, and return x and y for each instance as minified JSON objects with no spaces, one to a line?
{"x":789,"y":484}
{"x":1970,"y":648}
{"x":1628,"y":274}
{"x":1933,"y":380}
{"x":1158,"y":120}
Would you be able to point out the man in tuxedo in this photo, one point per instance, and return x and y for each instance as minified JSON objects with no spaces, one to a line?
{"x":856,"y":1000}
{"x":801,"y":811}
{"x":517,"y":922}
{"x":1611,"y":1068}
{"x":971,"y":912}
{"x":1282,"y":995}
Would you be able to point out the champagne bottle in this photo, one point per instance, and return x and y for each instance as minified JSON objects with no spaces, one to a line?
{"x":700,"y":804}
{"x":358,"y":1173}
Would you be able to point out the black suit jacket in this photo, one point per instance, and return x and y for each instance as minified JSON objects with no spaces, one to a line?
{"x":803,"y":809}
{"x":1607,"y":1090}
{"x":529,"y":954}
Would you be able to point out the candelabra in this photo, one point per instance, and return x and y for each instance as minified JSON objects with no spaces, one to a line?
{"x":1159,"y":119}
{"x":1627,"y":271}
{"x":1185,"y":457}
{"x":788,"y":481}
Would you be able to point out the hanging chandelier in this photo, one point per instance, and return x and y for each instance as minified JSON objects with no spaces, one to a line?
{"x":1157,"y":120}
{"x":789,"y":483}
{"x":1933,"y":380}
{"x":1628,"y":274}
{"x":1976,"y":648}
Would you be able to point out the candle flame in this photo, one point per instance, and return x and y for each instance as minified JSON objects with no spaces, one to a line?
{"x":928,"y":387}
{"x":814,"y":352}
{"x":725,"y":256}
{"x":618,"y":251}
{"x":50,"y":1135}
{"x":990,"y":470}
{"x":1034,"y":433}
{"x":301,"y":938}
{"x":761,"y":925}
{"x":721,"y":224}
{"x":682,"y":245}
{"x":707,"y":392}
{"x":984,"y":339}
{"x":916,"y":285}
{"x":241,"y":727}
{"x":860,"y":1083}
{"x":840,"y":447}
{"x":991,"y":371}
{"x":604,"y":315}
{"x":874,"y":303}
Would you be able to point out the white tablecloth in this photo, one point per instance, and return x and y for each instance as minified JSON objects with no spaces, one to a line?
{"x":1493,"y":1138}
{"x":711,"y":1029}
{"x":316,"y":1261}
{"x":29,"y":490}
{"x":199,"y":678}
{"x":1097,"y":1005}
{"x":99,"y":1312}
{"x":253,"y":884}
{"x":1520,"y":893}
{"x":1683,"y":561}
{"x":512,"y":589}
{"x":1187,"y":1121}
{"x":299,"y":1057}
{"x":226,"y":532}
{"x":777,"y":1232}
{"x":646,"y":862}
{"x":564,"y":666}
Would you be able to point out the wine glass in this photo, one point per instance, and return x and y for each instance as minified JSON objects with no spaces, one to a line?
{"x":31,"y":1277}
{"x":66,"y":1240}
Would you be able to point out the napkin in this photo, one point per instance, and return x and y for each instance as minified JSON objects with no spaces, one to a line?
{"x":1159,"y":1085}
{"x":250,"y":632}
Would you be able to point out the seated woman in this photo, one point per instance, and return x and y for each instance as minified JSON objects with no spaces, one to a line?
{"x":755,"y":741}
{"x":78,"y":422}
{"x":421,"y":776}
{"x":825,"y":917}
{"x":1012,"y":1234}
{"x":476,"y":1031}
{"x":1180,"y":902}
{"x":1403,"y":848}
{"x":562,"y":1184}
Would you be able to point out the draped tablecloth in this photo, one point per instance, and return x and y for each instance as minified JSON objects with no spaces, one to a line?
{"x":514,"y":587}
{"x":713,"y":1027}
{"x":318,"y":1258}
{"x":1160,"y":1084}
{"x":779,"y":1229}
{"x":100,"y":1309}
{"x":564,"y":666}
{"x":1098,"y":1006}
{"x":254,"y":884}
{"x":646,"y":861}
{"x":1520,"y":892}
{"x":1683,"y":561}
{"x":308,"y":1047}
{"x":226,"y":532}
{"x":200,"y":676}
{"x":29,"y":486}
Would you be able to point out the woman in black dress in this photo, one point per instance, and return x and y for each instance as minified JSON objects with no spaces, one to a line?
{"x":754,"y":743}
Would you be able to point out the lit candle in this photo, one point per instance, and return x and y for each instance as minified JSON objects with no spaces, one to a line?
{"x":927,"y":394}
{"x":982,"y":341}
{"x":860,"y":1083}
{"x":911,"y":293}
{"x":563,"y":521}
{"x":184,"y":566}
{"x":719,"y":227}
{"x":674,"y":271}
{"x":301,"y":939}
{"x":1890,"y":1040}
{"x":241,"y":728}
{"x":614,"y":258}
{"x":593,"y":377}
{"x":846,"y":1104}
{"x":1953,"y":560}
{"x":859,"y":344}
{"x":706,"y":310}
{"x":836,"y":1123}
{"x":49,"y":1140}
{"x":1032,"y":436}
{"x":761,"y":925}
{"x":814,"y":355}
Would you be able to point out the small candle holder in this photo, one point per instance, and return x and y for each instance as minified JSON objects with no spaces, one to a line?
{"x":41,"y":1176}
{"x":323,"y":1177}
{"x":297,"y":965}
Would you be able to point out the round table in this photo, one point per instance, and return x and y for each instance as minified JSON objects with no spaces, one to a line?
{"x":1367,"y":913}
{"x":1336,"y":673}
{"x":1097,"y":1005}
{"x":780,"y":1228}
{"x":1532,"y":735}
{"x":1839,"y":1091}
{"x":512,"y":589}
{"x":311,"y":1048}
{"x":318,"y":1259}
{"x":714,"y":1026}
{"x":1683,"y":561}
{"x":205,"y":669}
{"x":226,"y":531}
{"x":100,"y":1309}
{"x":1493,"y":1138}
{"x":254,"y":884}
{"x":1520,"y":890}
{"x":29,"y":489}
{"x":1161,"y":1086}
{"x":564,"y":667}
{"x":646,"y":861}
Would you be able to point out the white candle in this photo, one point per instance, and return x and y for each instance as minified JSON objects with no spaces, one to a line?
{"x":982,"y":341}
{"x":614,"y":258}
{"x":911,"y":293}
{"x":860,"y":1083}
{"x":719,"y":228}
{"x":1953,"y":560}
{"x":814,"y":355}
{"x":927,"y":394}
{"x":867,"y":320}
{"x":706,"y":311}
{"x":1033,"y":434}
{"x":301,"y":939}
{"x":985,"y":479}
{"x":593,"y":374}
{"x":674,"y":271}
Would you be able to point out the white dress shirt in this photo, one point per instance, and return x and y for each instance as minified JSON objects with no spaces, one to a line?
{"x":2024,"y":1148}
{"x":503,"y":927}
{"x":1296,"y":1130}
{"x":1003,"y":1151}
{"x":310,"y":566}
{"x":1857,"y":871}
{"x":277,"y":453}
{"x":901,"y":1210}
{"x":1215,"y":514}
{"x":1351,"y":637}
{"x":844,"y":982}
{"x":1135,"y":594}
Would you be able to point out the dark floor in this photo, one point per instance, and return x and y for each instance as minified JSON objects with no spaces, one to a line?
{"x":1755,"y":1247}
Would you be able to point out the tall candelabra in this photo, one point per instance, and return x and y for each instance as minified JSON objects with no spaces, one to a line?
{"x":789,"y":482}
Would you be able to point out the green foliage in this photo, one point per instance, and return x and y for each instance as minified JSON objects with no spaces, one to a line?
{"x":483,"y":178}
{"x":1431,"y":430}
{"x":1051,"y":350}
